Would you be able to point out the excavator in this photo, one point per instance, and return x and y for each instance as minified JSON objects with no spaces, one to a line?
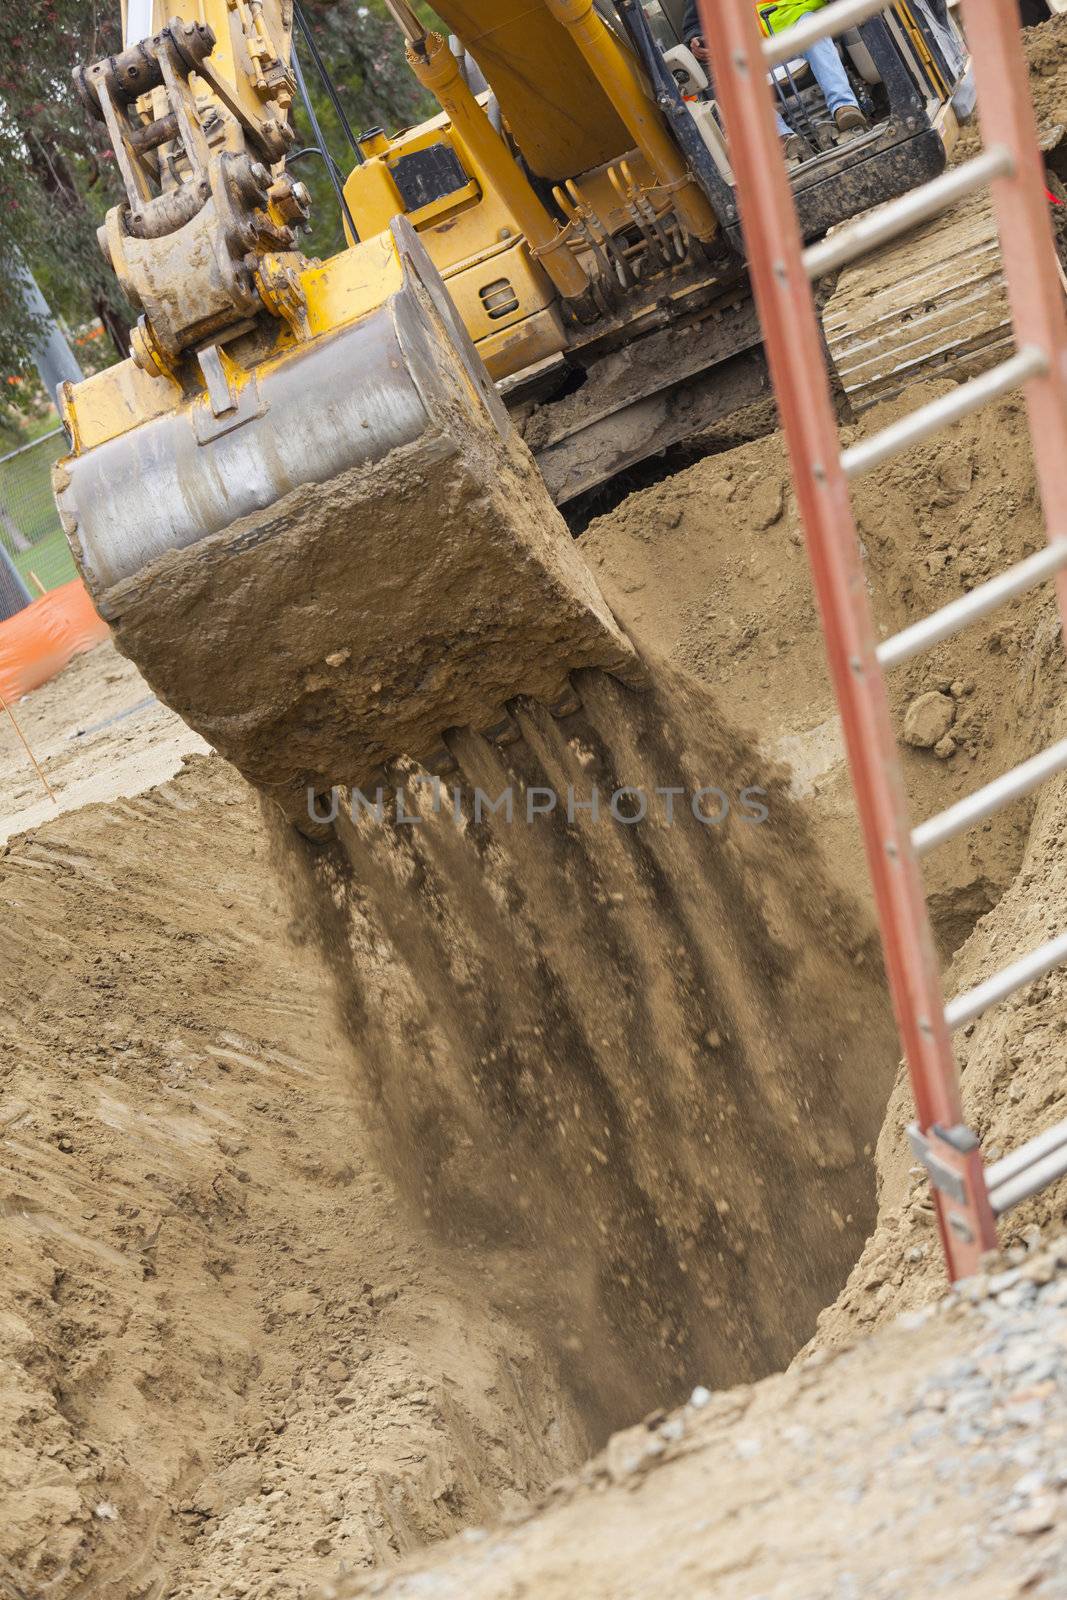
{"x":317,"y":504}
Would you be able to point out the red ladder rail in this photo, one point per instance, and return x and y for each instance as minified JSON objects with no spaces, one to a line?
{"x":966,"y":1196}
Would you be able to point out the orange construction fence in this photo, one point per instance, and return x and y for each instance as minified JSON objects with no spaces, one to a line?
{"x":40,"y":639}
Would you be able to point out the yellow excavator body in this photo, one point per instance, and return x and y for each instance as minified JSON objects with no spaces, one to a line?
{"x":302,"y":504}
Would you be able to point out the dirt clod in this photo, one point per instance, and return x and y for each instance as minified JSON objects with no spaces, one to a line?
{"x":928,"y":719}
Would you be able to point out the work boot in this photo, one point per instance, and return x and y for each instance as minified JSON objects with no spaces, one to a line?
{"x":796,"y":149}
{"x":849,"y":119}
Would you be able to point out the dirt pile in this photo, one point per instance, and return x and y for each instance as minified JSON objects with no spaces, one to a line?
{"x":629,"y":1044}
{"x":1045,"y":48}
{"x":930,"y":1459}
{"x":360,"y":617}
{"x":1014,"y":1085}
{"x":229,"y":1362}
{"x":713,"y":565}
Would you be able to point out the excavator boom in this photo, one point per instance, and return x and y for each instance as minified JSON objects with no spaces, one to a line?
{"x":302,"y":505}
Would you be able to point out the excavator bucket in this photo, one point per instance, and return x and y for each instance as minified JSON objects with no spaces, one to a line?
{"x":327,"y":563}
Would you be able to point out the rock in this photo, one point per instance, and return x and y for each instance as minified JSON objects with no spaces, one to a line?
{"x":945,"y":747}
{"x":1037,"y":1517}
{"x":766,"y":504}
{"x":221,"y":1491}
{"x":383,"y":1293}
{"x":928,"y":719}
{"x":295,"y":1301}
{"x":630,"y":1452}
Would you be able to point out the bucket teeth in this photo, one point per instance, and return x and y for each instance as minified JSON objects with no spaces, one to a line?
{"x":505,"y":730}
{"x":441,"y":762}
{"x":569,"y":702}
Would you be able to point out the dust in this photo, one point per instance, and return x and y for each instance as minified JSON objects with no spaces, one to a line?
{"x":639,"y":1063}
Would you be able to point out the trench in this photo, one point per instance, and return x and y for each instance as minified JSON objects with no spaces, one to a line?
{"x":633,"y":1050}
{"x":355,"y":1193}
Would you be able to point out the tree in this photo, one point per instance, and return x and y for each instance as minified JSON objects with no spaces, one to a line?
{"x":56,"y":181}
{"x":58,"y":175}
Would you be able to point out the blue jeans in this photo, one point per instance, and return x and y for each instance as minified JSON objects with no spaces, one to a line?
{"x":831,"y":77}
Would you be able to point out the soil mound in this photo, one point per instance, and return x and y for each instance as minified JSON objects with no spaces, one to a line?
{"x":713,"y":566}
{"x":230,"y":1363}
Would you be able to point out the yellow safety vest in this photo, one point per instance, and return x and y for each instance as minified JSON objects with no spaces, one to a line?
{"x":779,"y":15}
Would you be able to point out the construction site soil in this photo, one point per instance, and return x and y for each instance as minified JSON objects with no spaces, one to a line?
{"x":353,"y":1196}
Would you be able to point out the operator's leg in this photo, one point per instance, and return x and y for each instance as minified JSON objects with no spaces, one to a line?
{"x":796,"y":149}
{"x":832,"y":79}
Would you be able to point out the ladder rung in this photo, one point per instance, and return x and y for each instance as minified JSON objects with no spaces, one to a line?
{"x":867,"y":232}
{"x":947,"y":408}
{"x":1009,"y":786}
{"x":957,"y":614}
{"x":974,"y":1001}
{"x":822,"y":24}
{"x":1035,"y":1149}
{"x":1043,"y":1160}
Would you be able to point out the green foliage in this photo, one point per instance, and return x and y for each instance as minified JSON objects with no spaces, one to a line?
{"x":56,"y":180}
{"x":58,"y":175}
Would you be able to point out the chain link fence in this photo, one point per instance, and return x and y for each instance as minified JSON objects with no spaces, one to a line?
{"x":29,"y":523}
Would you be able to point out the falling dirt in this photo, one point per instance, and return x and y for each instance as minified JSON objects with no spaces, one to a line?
{"x":630,"y":1040}
{"x":233,"y":1353}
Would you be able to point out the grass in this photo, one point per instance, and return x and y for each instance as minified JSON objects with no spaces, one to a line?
{"x":50,"y":560}
{"x":29,"y":523}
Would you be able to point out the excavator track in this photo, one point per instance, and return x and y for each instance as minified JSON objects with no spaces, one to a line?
{"x":931,"y":306}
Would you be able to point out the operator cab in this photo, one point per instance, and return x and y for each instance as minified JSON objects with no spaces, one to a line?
{"x":908,"y":67}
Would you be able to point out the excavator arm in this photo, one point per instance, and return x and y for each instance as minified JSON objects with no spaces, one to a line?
{"x":197,"y":111}
{"x":557,"y":110}
{"x":301,"y":505}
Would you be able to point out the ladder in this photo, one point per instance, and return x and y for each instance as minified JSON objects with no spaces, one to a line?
{"x":968,"y":1195}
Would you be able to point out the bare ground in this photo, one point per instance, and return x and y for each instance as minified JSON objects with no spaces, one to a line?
{"x":240,"y":1359}
{"x":237,"y":1355}
{"x":220,"y":1329}
{"x":930,"y":1459}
